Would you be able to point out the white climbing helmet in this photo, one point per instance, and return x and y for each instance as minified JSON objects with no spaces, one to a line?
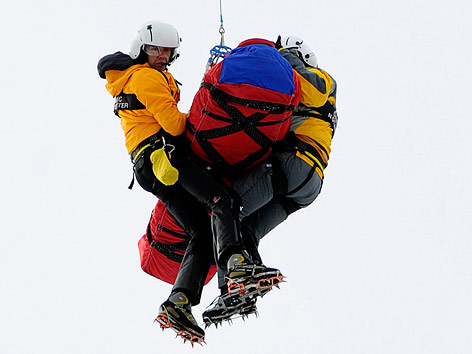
{"x":157,"y":34}
{"x":304,"y":51}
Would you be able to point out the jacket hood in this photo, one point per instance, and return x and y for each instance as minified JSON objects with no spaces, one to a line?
{"x":117,"y":69}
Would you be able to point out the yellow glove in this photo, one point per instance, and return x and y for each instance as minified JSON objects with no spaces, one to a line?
{"x":162,"y":168}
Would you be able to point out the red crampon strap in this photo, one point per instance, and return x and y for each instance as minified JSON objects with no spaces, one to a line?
{"x":267,"y":284}
{"x":237,"y":288}
{"x":262,"y":286}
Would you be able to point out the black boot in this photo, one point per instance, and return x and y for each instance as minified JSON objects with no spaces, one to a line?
{"x":176,"y":313}
{"x":249,"y":279}
{"x":226,"y":306}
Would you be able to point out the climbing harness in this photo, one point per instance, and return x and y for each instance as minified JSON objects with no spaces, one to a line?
{"x":218,"y":51}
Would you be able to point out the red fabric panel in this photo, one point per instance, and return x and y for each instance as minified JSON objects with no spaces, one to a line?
{"x":154,"y":262}
{"x":256,"y":41}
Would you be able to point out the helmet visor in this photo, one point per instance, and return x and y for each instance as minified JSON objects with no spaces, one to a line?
{"x":154,"y":51}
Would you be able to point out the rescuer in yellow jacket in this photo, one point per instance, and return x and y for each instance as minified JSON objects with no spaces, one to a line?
{"x":293,"y":178}
{"x":314,"y":120}
{"x":312,"y":127}
{"x":157,"y":91}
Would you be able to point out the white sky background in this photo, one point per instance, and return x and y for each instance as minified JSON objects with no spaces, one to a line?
{"x":380,"y":263}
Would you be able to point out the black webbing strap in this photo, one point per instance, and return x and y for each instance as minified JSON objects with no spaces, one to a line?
{"x":272,"y":108}
{"x":168,"y":250}
{"x":305,"y":181}
{"x":127,"y":101}
{"x":327,"y":112}
{"x":293,"y":142}
{"x":238,"y":122}
{"x":183,"y":236}
{"x":148,"y":141}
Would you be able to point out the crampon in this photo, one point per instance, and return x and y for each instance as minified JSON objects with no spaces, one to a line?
{"x":227,"y":307}
{"x":253,"y":289}
{"x":186,"y":335}
{"x":240,"y":300}
{"x":229,"y":319}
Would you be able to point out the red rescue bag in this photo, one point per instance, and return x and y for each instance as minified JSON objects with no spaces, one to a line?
{"x":162,"y":248}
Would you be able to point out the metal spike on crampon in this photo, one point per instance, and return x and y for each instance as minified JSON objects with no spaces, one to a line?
{"x":187,"y":336}
{"x":163,"y":322}
{"x":216,"y":323}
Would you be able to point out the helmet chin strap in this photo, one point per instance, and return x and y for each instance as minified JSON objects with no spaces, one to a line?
{"x":165,"y":65}
{"x":170,"y":61}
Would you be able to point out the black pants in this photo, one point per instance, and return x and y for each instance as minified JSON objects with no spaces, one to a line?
{"x":183,"y":200}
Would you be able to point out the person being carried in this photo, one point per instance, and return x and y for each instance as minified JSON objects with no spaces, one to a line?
{"x":146,"y":97}
{"x":293,"y":178}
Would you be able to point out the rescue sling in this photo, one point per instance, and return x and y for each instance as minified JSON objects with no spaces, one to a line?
{"x":243,"y":107}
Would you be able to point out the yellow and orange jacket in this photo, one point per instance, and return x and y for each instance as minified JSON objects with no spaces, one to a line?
{"x":310,"y":122}
{"x":156,"y":90}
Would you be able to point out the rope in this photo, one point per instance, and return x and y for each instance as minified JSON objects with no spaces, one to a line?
{"x":218,"y":51}
{"x":222,"y":29}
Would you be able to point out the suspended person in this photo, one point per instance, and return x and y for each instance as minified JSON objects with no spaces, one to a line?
{"x":294,"y":177}
{"x":242,"y":108}
{"x":146,"y":97}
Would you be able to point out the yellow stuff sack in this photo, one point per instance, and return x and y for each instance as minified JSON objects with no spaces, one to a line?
{"x":162,"y":168}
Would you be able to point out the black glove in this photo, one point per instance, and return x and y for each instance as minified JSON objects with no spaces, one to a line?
{"x":278,"y":42}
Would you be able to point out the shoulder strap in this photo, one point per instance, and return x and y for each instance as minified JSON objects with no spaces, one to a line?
{"x":328,"y":114}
